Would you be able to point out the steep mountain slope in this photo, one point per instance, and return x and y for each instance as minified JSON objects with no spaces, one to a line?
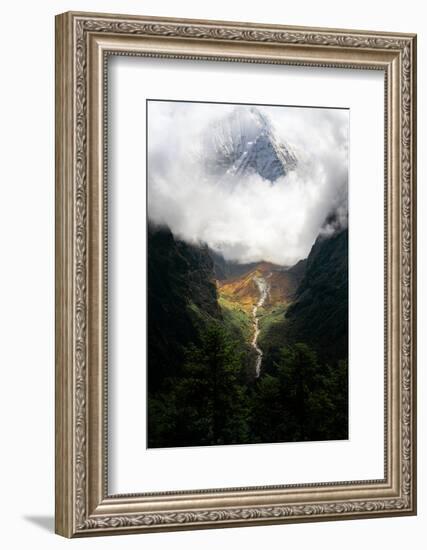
{"x":198,"y":357}
{"x":318,"y":315}
{"x":181,"y":294}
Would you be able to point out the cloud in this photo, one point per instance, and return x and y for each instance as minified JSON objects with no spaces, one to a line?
{"x":247,"y":218}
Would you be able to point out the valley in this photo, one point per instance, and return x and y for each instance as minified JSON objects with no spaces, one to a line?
{"x":246,"y":353}
{"x":257,"y":299}
{"x":242,"y":350}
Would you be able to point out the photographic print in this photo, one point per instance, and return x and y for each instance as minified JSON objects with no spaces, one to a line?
{"x":247,"y":258}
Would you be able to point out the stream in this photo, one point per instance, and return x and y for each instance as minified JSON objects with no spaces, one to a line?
{"x":263,"y":288}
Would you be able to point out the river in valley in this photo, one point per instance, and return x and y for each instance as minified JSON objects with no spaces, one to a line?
{"x":263,"y":288}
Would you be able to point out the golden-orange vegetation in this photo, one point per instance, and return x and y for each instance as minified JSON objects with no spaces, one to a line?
{"x":243,"y":293}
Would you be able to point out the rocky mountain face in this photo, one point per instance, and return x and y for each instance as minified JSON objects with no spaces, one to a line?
{"x":245,"y":143}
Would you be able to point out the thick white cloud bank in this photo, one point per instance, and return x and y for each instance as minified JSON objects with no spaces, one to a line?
{"x":247,"y":218}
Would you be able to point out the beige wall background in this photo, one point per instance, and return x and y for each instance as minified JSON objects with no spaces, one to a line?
{"x":27,"y":273}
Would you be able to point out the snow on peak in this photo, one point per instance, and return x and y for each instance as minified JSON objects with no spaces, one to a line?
{"x":244,"y":142}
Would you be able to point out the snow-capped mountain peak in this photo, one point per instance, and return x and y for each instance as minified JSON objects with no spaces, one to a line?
{"x":244,"y":142}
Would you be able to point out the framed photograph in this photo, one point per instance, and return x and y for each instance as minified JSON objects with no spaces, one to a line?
{"x":235,"y":274}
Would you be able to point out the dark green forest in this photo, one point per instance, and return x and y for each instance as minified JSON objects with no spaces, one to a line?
{"x":201,"y":384}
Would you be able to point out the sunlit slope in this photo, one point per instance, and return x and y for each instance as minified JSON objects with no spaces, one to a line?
{"x":242,"y":292}
{"x":238,"y":296}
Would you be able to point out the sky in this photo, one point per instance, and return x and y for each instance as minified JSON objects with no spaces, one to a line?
{"x":247,"y":219}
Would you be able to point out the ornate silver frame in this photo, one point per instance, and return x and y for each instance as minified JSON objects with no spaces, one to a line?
{"x":83,"y":42}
